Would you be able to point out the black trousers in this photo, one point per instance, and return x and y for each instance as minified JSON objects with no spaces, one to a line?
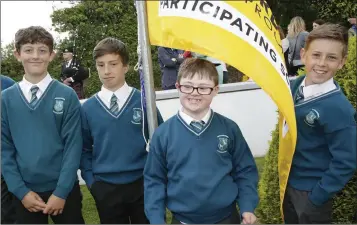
{"x":298,"y":209}
{"x":8,"y":214}
{"x":225,"y":77}
{"x":234,"y":218}
{"x":120,"y":203}
{"x":72,"y":212}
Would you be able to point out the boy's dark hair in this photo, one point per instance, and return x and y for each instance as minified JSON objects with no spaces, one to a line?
{"x":319,"y":21}
{"x":111,"y":46}
{"x":329,"y":31}
{"x":33,"y":35}
{"x":192,"y":66}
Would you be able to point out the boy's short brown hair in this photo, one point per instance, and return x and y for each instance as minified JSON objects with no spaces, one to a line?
{"x":33,"y":35}
{"x":111,"y":46}
{"x":192,"y":66}
{"x":329,"y":31}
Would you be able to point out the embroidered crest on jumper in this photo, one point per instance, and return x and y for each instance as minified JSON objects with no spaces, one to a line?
{"x":311,"y":117}
{"x":222,"y":143}
{"x":137,"y":114}
{"x":58,"y":107}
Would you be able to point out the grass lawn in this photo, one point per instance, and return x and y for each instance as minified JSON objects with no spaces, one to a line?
{"x":90,"y":212}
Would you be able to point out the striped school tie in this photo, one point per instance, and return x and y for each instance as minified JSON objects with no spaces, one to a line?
{"x":114,"y":107}
{"x":34,"y":98}
{"x":300,"y":94}
{"x":197,"y":125}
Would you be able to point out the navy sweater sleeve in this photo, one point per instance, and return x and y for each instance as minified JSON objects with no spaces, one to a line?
{"x":155,"y":182}
{"x":87,"y":153}
{"x":245,"y":174}
{"x":340,"y":133}
{"x":10,"y":169}
{"x":165,"y":58}
{"x":71,"y":134}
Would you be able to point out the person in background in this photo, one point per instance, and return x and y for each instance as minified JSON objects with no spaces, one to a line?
{"x":8,"y":215}
{"x":284,"y":44}
{"x":317,"y":23}
{"x":353,"y":30}
{"x":170,"y":60}
{"x":297,"y":36}
{"x":73,"y":73}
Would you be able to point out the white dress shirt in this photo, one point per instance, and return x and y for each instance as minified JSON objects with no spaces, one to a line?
{"x":316,"y":90}
{"x":188,"y":119}
{"x":68,"y":63}
{"x":26,"y":86}
{"x":122,"y":95}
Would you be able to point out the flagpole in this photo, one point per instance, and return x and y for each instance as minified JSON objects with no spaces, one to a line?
{"x":147,"y":69}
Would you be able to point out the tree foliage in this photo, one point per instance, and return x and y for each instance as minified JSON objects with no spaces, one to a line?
{"x":334,"y":11}
{"x":337,"y":11}
{"x":90,"y":21}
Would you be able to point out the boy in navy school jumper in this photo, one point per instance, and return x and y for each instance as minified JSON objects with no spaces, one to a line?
{"x":7,"y":206}
{"x":114,"y":148}
{"x":41,"y":137}
{"x":199,"y":164}
{"x":325,"y":154}
{"x":6,"y":82}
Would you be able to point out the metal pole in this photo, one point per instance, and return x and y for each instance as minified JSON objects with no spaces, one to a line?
{"x":147,"y":66}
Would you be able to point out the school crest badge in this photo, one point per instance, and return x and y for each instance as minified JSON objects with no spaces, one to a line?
{"x":58,"y":106}
{"x":223,"y":141}
{"x":311,"y":117}
{"x":137,"y":114}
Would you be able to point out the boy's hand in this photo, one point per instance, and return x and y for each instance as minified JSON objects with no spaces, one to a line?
{"x":33,"y":202}
{"x":55,"y":206}
{"x":249,"y":218}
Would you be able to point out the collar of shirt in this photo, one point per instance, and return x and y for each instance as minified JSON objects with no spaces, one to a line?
{"x":317,"y":89}
{"x":69,"y":63}
{"x":25,"y":85}
{"x":188,"y":119}
{"x":122,"y":94}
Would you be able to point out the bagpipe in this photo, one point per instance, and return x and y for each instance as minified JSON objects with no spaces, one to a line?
{"x":75,"y":70}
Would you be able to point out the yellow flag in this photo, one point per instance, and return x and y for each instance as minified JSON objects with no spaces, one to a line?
{"x":240,"y":33}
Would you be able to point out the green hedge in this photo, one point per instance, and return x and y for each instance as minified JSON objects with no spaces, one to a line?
{"x":345,"y":202}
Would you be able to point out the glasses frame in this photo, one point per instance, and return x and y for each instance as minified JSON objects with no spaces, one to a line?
{"x":197,"y":89}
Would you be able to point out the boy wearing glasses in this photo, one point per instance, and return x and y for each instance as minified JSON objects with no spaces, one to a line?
{"x":199,"y":165}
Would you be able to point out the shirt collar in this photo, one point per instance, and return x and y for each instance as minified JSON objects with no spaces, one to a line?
{"x":188,"y":119}
{"x":122,"y":93}
{"x":42,"y":85}
{"x":317,"y":89}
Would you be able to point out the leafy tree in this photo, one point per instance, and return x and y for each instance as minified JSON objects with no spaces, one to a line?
{"x":337,"y":11}
{"x":90,"y":21}
{"x":334,"y":11}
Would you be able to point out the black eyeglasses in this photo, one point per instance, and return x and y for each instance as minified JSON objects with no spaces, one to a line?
{"x":188,"y":89}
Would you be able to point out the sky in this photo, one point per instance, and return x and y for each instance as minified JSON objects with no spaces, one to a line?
{"x":20,"y":14}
